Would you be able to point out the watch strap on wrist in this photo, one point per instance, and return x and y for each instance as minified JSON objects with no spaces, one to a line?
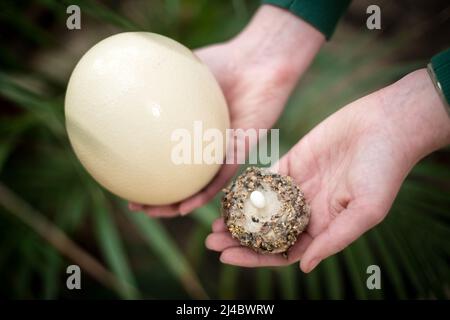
{"x":439,"y":71}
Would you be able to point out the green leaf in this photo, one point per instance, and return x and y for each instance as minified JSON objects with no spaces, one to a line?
{"x":263,"y":286}
{"x":312,"y":284}
{"x":74,"y":211}
{"x":333,"y":278}
{"x":42,"y":108}
{"x":111,"y":245}
{"x":288,"y":281}
{"x":228,"y":282}
{"x":405,"y":260}
{"x":356,"y":273}
{"x":206,"y":215}
{"x":165,"y":248}
{"x":364,"y":258}
{"x":390,"y":264}
{"x":196,"y":249}
{"x":51,"y":273}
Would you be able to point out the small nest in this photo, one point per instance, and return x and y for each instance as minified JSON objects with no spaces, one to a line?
{"x":276,"y":227}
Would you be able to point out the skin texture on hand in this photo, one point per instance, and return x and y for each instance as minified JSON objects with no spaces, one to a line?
{"x":351,"y":167}
{"x":257,"y":71}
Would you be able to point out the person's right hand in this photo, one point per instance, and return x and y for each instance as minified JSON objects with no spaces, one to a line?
{"x":257,"y":71}
{"x":350,"y":168}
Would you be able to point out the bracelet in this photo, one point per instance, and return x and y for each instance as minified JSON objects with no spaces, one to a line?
{"x":438,"y":87}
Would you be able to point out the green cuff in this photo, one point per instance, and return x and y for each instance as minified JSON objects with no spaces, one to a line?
{"x":322,"y":14}
{"x":441,"y":69}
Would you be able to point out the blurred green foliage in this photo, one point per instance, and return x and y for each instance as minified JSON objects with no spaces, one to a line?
{"x":52,"y":214}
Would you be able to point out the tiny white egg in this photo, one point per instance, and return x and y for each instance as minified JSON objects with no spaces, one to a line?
{"x":257,"y":199}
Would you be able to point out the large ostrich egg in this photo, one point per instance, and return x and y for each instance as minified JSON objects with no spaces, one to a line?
{"x":125,"y":98}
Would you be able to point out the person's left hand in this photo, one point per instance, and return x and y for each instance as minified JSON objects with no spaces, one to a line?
{"x":350,"y":168}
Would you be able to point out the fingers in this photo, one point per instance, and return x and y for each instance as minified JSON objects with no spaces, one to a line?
{"x":233,"y":253}
{"x":297,"y":251}
{"x":198,"y":200}
{"x":163,"y":211}
{"x":343,"y":230}
{"x":219,"y":241}
{"x":156,"y":211}
{"x":246,"y":257}
{"x":281,"y":166}
{"x":219,"y":225}
{"x":192,"y":203}
{"x":210,"y":191}
{"x":132,"y":206}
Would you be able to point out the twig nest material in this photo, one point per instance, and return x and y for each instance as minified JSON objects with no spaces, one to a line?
{"x":265,"y":211}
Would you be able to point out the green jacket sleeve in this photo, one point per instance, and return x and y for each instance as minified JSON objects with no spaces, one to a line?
{"x":440,"y":64}
{"x":322,"y":14}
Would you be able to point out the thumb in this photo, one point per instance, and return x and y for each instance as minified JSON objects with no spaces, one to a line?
{"x":281,"y":166}
{"x":349,"y":225}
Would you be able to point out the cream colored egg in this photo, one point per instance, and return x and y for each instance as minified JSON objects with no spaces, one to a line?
{"x":125,"y":98}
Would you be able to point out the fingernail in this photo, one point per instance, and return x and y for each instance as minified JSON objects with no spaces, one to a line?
{"x":183,"y":212}
{"x":313,"y":264}
{"x":222,"y":259}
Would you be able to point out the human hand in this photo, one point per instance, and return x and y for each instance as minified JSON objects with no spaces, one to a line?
{"x":350,"y":168}
{"x":257,"y":71}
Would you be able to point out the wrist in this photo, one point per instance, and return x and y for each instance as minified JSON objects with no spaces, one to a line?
{"x":415,"y":109}
{"x":277,"y":38}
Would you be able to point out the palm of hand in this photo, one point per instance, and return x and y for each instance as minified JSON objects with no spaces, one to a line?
{"x":350,"y":171}
{"x":255,"y":93}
